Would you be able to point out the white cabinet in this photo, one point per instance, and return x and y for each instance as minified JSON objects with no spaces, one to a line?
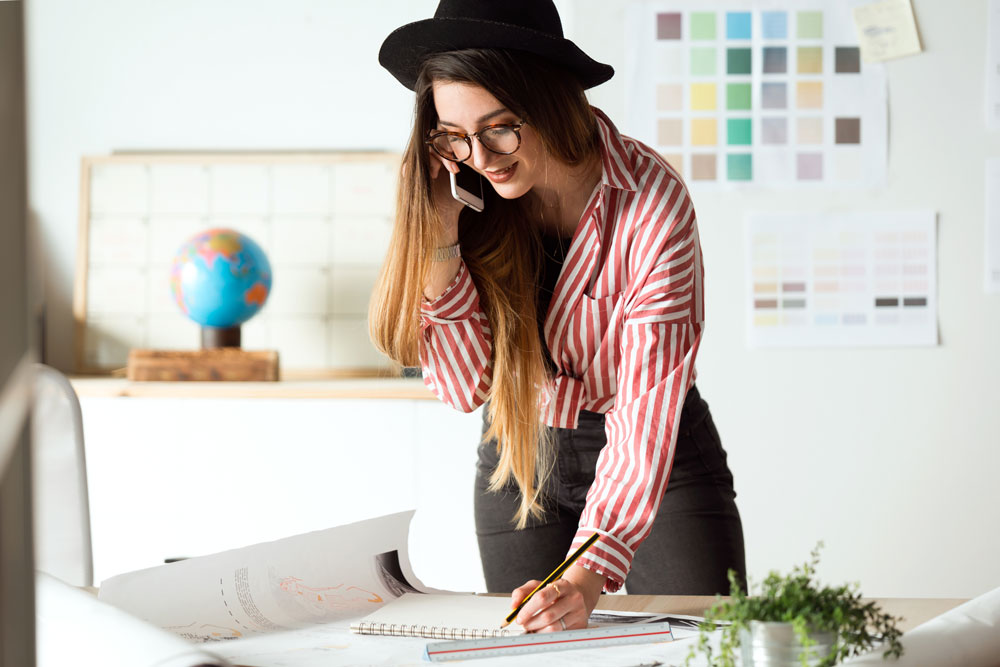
{"x":173,"y":477}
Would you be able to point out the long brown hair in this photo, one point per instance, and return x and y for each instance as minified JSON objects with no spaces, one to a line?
{"x":501,"y":248}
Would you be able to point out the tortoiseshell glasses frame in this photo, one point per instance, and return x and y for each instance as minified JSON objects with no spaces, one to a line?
{"x":500,"y":138}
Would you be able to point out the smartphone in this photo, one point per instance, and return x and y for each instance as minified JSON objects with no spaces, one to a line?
{"x":467,"y":187}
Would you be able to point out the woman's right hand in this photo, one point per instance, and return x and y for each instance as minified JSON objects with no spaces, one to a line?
{"x":443,"y":273}
{"x":447,"y":206}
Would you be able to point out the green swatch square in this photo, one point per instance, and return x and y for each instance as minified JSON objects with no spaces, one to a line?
{"x":738,"y":61}
{"x":739,"y":167}
{"x":810,"y":25}
{"x":738,"y":131}
{"x":702,"y":25}
{"x":703,"y":61}
{"x":738,"y":96}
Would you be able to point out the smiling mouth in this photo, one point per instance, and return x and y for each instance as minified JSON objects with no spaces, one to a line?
{"x":501,"y":175}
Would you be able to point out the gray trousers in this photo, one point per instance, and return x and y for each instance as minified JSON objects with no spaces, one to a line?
{"x":696,"y":536}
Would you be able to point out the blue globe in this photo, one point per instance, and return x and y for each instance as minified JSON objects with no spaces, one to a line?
{"x":220,"y":278}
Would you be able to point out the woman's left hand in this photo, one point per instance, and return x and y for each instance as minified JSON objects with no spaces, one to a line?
{"x":565,"y":604}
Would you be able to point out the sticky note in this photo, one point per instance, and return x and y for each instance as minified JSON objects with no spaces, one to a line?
{"x":886,"y":30}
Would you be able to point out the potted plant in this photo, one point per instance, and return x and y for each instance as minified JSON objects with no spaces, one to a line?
{"x":793,"y":620}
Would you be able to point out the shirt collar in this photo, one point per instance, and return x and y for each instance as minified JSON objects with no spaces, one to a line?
{"x":616,"y":169}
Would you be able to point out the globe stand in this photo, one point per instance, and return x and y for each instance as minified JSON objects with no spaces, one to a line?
{"x":216,"y":337}
{"x":220,"y":358}
{"x":220,"y":363}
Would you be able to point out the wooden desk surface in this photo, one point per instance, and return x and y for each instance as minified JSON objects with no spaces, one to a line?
{"x":913,"y":610}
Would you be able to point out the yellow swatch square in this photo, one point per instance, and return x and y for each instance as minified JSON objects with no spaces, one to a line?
{"x":768,"y":320}
{"x":810,"y":59}
{"x":810,"y":94}
{"x":703,"y":97}
{"x":704,"y":132}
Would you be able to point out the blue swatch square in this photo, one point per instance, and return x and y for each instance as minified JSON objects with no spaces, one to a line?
{"x":738,"y":25}
{"x":774,"y":25}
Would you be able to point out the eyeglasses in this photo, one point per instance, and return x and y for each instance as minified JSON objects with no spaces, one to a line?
{"x":504,"y":138}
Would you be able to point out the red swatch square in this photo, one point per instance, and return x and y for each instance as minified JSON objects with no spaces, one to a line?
{"x":668,"y":25}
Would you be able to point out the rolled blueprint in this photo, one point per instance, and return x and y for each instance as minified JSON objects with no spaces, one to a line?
{"x":966,"y":636}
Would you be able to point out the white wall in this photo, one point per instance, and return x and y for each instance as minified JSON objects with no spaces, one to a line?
{"x":890,"y":456}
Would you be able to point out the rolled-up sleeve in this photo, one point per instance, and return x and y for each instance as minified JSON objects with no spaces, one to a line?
{"x":456,"y":345}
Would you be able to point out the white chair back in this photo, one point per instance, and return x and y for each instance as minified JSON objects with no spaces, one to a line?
{"x":61,"y":506}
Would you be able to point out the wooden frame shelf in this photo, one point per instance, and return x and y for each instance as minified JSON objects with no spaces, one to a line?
{"x":351,"y":388}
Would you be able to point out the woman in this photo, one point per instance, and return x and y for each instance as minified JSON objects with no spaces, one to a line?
{"x":571,"y":307}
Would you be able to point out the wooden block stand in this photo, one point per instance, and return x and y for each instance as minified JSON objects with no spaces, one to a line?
{"x":230,"y":364}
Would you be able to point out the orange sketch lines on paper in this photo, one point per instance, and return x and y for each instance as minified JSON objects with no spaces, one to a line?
{"x":205,"y":632}
{"x":328,"y":596}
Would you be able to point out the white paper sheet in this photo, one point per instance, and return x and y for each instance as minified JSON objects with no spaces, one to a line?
{"x":756,"y":93}
{"x":992,"y":244}
{"x":966,"y":636}
{"x":74,"y":628}
{"x":196,"y":599}
{"x":860,"y":279}
{"x":311,"y":579}
{"x":334,"y":645}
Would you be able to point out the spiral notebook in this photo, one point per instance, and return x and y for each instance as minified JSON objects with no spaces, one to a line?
{"x":440,"y":617}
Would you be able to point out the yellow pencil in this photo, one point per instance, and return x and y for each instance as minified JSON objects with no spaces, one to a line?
{"x":556,"y":573}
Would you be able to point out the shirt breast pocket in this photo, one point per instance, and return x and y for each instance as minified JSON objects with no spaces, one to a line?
{"x":591,"y":323}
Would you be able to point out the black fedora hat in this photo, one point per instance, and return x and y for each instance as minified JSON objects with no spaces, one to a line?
{"x":522,"y":25}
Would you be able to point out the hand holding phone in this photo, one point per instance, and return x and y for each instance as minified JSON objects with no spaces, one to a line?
{"x":467,"y":187}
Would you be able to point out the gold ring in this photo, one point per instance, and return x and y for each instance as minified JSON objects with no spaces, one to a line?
{"x":558,"y":594}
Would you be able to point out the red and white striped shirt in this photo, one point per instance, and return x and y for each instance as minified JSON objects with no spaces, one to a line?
{"x":623,"y":328}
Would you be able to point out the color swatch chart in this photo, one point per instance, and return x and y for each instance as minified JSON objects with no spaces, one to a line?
{"x":992,"y":244}
{"x":756,"y":93}
{"x":862,"y":279}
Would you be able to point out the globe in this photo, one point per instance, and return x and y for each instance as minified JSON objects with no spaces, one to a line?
{"x":220,"y":278}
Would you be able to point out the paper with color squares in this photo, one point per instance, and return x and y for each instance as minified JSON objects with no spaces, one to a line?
{"x":992,"y":225}
{"x":747,"y":93}
{"x":992,"y":95}
{"x":860,"y":279}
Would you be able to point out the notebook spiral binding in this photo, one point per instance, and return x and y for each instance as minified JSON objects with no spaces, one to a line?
{"x":427,"y":631}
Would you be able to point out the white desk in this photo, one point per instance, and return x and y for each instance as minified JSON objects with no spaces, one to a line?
{"x":913,"y":610}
